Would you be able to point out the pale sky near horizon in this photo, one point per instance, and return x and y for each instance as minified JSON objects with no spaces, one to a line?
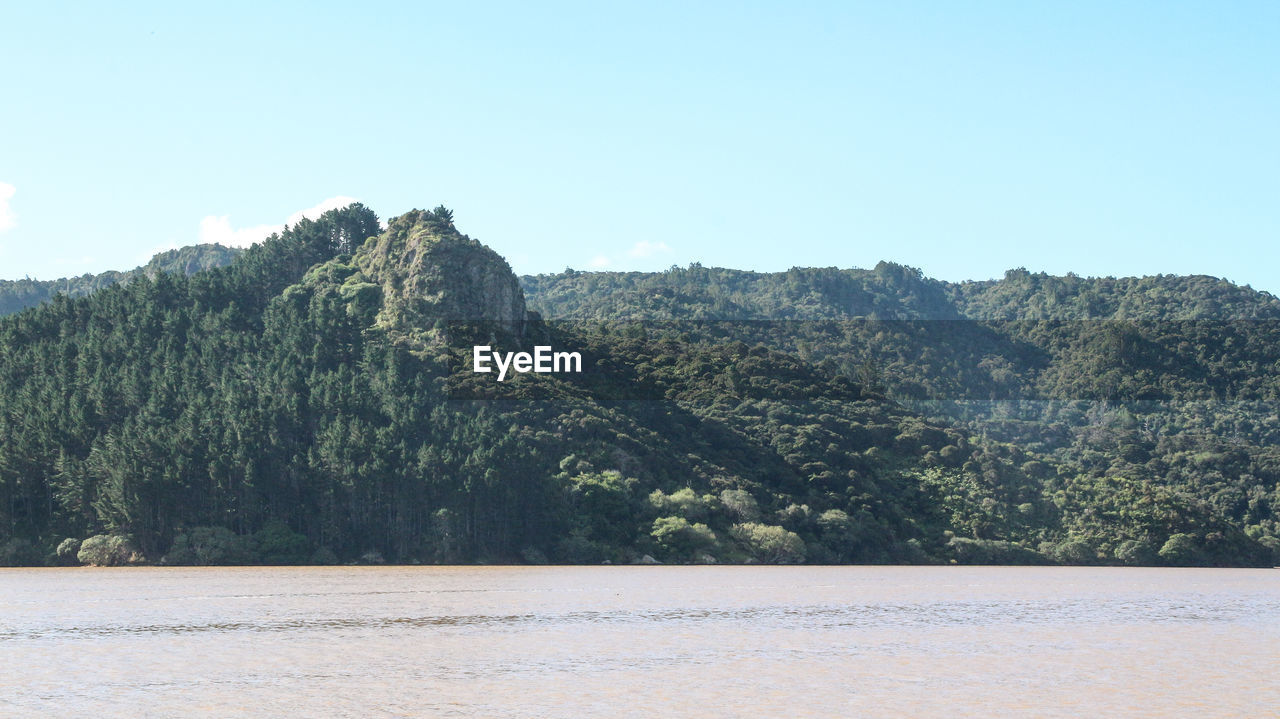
{"x":961,"y":138}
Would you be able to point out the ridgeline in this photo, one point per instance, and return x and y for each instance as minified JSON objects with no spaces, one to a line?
{"x":18,"y":295}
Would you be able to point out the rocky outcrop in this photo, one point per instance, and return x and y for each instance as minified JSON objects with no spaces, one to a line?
{"x":432,"y":275}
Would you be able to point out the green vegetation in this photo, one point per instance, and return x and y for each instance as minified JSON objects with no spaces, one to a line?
{"x":311,"y":403}
{"x":107,"y":550}
{"x":1083,"y":420}
{"x":17,"y":295}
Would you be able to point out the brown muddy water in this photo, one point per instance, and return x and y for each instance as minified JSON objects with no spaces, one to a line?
{"x":639,"y":642}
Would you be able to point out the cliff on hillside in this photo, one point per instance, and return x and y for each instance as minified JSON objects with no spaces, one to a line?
{"x":431,"y":274}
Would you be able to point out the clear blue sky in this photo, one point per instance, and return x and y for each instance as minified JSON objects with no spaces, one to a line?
{"x":963,"y":138}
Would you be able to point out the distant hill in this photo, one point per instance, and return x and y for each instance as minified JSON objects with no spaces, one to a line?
{"x":888,"y":292}
{"x":18,"y":295}
{"x":1028,"y":336}
{"x":313,"y":401}
{"x":1022,"y":295}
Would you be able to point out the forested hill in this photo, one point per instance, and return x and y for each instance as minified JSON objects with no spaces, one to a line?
{"x":1126,"y":386}
{"x":888,"y":292}
{"x":1026,"y":337}
{"x":1022,"y":295}
{"x":312,"y":402}
{"x":17,"y":295}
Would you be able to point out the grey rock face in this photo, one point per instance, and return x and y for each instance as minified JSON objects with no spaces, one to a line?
{"x":430,"y":273}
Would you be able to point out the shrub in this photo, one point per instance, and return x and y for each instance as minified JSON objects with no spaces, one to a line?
{"x":740,"y":505}
{"x":795,"y":515}
{"x":682,"y":503}
{"x":277,"y":544}
{"x":1074,"y":551}
{"x":1181,"y":550}
{"x":1135,"y":551}
{"x":680,"y":538}
{"x":769,"y":544}
{"x":991,"y":551}
{"x":600,"y":505}
{"x":838,"y":532}
{"x":210,"y":545}
{"x":67,"y":551}
{"x":107,"y":550}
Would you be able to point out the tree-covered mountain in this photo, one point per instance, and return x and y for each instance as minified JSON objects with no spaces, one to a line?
{"x":17,"y":295}
{"x":313,"y":401}
{"x":1133,"y":385}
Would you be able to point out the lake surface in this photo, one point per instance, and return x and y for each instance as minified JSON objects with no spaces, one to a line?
{"x":639,"y":642}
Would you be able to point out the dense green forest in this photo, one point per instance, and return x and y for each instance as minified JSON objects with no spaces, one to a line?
{"x":311,"y":401}
{"x":19,"y":294}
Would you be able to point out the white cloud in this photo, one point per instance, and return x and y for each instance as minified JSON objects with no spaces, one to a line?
{"x":645,"y":248}
{"x":639,"y":250}
{"x":7,"y":218}
{"x":311,"y":213}
{"x":217,"y":228}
